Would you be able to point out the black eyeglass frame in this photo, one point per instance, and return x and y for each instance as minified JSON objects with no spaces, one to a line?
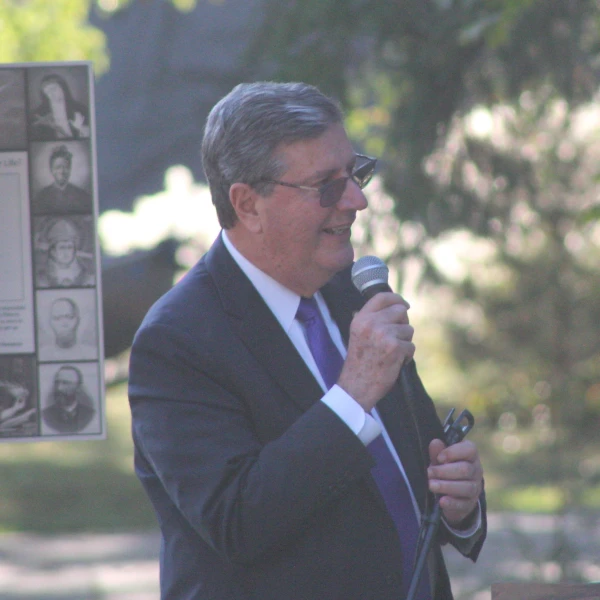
{"x":361,"y":176}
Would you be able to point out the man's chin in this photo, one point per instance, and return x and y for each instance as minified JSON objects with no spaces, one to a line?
{"x":66,"y":404}
{"x":341,"y":259}
{"x":66,"y":341}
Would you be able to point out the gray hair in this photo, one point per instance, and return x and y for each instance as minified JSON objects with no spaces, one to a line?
{"x":244,"y":129}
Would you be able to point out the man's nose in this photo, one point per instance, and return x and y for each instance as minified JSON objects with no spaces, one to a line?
{"x":353,"y":197}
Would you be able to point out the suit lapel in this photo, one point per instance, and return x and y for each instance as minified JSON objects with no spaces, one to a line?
{"x":259,"y":330}
{"x":402,"y":430}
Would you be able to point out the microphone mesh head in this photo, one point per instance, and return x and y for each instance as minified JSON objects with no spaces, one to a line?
{"x":368,"y":271}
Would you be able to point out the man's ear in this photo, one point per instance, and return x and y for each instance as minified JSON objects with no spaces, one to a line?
{"x":244,"y":200}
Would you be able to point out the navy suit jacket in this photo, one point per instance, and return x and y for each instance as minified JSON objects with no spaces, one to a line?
{"x":261,"y":491}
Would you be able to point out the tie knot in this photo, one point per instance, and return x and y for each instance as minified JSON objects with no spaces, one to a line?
{"x":308,"y":310}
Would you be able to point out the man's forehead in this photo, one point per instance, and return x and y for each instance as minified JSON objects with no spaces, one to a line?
{"x":62,"y":308}
{"x":323,"y":155}
{"x":67,"y":375}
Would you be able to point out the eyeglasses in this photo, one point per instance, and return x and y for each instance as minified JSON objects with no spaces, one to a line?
{"x":331,"y":192}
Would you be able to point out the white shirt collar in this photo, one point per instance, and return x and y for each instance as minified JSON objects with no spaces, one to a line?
{"x":281,"y":300}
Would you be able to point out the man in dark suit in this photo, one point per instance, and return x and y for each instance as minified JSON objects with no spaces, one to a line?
{"x":261,"y":468}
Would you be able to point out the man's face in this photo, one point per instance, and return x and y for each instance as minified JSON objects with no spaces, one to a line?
{"x":63,"y":252}
{"x":61,"y":171}
{"x":66,"y":382}
{"x":63,"y":318}
{"x":304,"y":244}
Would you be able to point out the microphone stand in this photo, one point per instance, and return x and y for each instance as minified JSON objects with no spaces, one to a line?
{"x":454,"y":432}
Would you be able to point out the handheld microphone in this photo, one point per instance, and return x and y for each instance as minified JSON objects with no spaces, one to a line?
{"x":370,"y":276}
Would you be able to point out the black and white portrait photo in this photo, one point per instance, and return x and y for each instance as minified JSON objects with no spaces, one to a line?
{"x":61,"y":178}
{"x":59,"y":103}
{"x":64,"y":251}
{"x":67,"y":325}
{"x":70,"y":398}
{"x":13,"y":121}
{"x":18,"y":397}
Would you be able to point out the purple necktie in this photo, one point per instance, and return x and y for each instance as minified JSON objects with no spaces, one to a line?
{"x":388,"y":477}
{"x":324,"y":351}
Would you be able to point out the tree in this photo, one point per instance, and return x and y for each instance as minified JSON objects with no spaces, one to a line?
{"x":36,"y":30}
{"x":420,"y":79}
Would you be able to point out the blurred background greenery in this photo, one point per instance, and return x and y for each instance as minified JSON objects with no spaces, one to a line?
{"x":67,"y":487}
{"x":487,"y":209}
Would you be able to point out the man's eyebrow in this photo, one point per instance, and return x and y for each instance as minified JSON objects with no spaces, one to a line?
{"x":328,"y":173}
{"x":321,"y":174}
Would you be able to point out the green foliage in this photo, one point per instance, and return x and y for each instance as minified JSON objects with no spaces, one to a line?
{"x":441,"y":59}
{"x":58,"y":30}
{"x":508,"y":13}
{"x":484,"y":113}
{"x":37,"y":30}
{"x":532,"y":499}
{"x":52,"y":487}
{"x":108,"y":7}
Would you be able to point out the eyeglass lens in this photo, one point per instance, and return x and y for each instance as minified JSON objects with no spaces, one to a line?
{"x":331,"y":193}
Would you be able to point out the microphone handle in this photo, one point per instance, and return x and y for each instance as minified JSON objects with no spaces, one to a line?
{"x":374,"y":289}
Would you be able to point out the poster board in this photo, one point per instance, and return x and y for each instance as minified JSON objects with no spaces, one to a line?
{"x":51,"y":345}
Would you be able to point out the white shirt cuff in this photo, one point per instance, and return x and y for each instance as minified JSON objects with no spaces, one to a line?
{"x":466,"y":533}
{"x":352,"y":413}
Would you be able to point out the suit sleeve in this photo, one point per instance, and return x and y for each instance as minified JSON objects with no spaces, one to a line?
{"x":198,"y":436}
